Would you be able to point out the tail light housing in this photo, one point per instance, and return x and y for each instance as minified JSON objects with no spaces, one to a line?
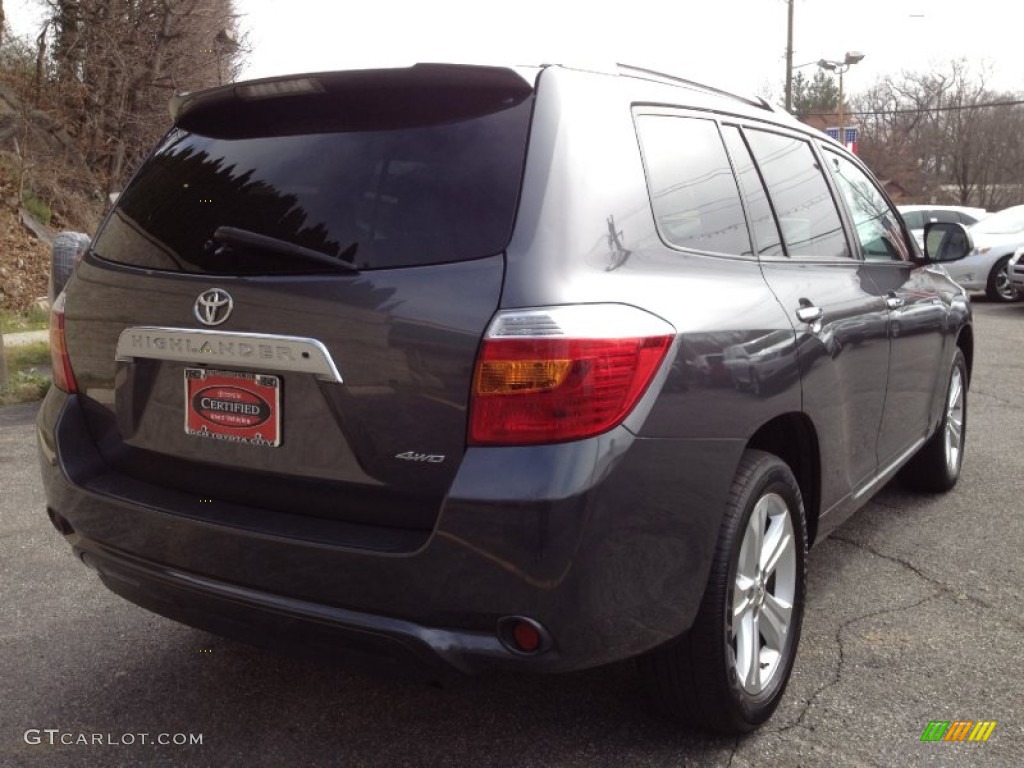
{"x":563,"y":373}
{"x":63,"y":376}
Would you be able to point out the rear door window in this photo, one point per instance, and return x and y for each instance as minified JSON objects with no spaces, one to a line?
{"x":807,"y":213}
{"x":393,"y":196}
{"x":693,"y":193}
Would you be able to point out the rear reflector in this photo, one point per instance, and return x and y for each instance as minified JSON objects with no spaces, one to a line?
{"x":526,"y":637}
{"x":63,"y":376}
{"x":523,"y":636}
{"x":563,"y":373}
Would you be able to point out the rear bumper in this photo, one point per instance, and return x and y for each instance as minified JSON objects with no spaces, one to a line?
{"x":290,"y":625}
{"x":604,"y":542}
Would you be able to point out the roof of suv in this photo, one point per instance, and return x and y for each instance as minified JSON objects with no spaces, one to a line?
{"x":514,"y":81}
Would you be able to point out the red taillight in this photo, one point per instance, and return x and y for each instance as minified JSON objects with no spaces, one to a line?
{"x":546,"y":376}
{"x":63,"y":376}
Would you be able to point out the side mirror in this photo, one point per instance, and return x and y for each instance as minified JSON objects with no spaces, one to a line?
{"x":946,"y":241}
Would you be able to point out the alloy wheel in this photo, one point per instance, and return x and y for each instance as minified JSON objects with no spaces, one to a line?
{"x":955,"y":420}
{"x":763,"y":594}
{"x":1004,"y":287}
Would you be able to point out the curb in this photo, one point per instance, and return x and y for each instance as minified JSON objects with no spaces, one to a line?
{"x":25,"y":337}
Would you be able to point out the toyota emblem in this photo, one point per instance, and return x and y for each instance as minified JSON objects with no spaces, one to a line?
{"x":213,"y":306}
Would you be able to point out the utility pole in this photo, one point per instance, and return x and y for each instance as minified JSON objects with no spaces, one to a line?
{"x":789,"y":57}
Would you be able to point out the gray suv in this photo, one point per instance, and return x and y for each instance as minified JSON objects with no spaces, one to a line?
{"x":464,"y":368}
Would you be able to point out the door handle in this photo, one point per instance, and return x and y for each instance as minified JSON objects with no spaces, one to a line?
{"x":894,"y":302}
{"x":809,"y":313}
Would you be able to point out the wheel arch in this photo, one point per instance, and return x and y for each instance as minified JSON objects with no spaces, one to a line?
{"x":793,"y":439}
{"x":965,"y":341}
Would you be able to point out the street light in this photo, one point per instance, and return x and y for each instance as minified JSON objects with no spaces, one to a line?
{"x":840,"y":68}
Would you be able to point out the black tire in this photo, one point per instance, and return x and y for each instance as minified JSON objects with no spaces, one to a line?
{"x":694,"y":678}
{"x":998,"y":287}
{"x":935,"y":468}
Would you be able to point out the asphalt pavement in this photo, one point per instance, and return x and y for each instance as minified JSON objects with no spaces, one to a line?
{"x":914,"y":615}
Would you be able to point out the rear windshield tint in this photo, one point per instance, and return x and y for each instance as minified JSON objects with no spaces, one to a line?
{"x":404,"y":196}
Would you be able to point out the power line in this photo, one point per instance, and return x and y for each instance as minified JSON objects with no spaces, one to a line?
{"x":922,"y":110}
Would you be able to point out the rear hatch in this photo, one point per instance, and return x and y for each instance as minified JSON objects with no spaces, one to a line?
{"x":284,"y":308}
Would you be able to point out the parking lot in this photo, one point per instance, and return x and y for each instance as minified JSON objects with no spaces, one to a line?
{"x":914,"y":615}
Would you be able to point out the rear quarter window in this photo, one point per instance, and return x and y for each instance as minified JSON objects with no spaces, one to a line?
{"x":693,"y":193}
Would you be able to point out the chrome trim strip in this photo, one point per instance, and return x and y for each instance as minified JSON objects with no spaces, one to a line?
{"x":889,"y":471}
{"x":256,"y":351}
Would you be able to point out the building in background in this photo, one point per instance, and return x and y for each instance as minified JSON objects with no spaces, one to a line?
{"x":850,"y":139}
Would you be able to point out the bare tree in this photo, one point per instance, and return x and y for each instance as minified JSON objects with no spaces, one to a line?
{"x":945,"y":136}
{"x":116,"y":63}
{"x":889,"y":145}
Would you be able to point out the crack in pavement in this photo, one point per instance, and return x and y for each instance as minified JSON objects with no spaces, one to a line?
{"x":941,"y":589}
{"x":943,"y":586}
{"x":1002,"y":401}
{"x":732,"y":755}
{"x":838,"y":676}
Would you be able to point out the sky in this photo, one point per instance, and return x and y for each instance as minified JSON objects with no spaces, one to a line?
{"x":734,"y":44}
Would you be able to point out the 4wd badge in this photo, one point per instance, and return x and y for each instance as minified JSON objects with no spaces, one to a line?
{"x":430,"y":458}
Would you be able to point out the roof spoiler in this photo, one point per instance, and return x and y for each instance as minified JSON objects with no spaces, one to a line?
{"x":439,"y":78}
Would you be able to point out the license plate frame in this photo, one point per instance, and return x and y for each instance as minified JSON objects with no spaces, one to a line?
{"x":238,"y":407}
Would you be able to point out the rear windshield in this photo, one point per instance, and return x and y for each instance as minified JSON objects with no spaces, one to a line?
{"x":371,"y":199}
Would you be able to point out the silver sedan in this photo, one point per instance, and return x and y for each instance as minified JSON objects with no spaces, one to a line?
{"x":996,"y":239}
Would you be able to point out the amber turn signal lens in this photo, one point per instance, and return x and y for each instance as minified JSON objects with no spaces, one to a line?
{"x":587,"y":386}
{"x":497,"y":377}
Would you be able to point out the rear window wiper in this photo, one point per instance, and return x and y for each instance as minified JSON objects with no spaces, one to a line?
{"x":232,"y":236}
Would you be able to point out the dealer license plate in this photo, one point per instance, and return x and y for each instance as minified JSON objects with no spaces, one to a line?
{"x":233,"y":406}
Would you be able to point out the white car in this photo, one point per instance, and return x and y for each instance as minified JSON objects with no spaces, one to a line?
{"x":996,"y":239}
{"x":1015,"y":270}
{"x":916,"y":216}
